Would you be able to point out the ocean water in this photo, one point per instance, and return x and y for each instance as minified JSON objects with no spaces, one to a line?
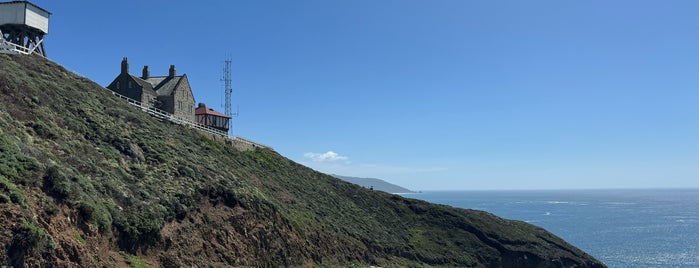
{"x":622,"y":228}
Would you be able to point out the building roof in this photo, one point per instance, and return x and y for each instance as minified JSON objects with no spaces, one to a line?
{"x":165,"y":85}
{"x":26,"y":2}
{"x":145,"y":84}
{"x":202,"y":109}
{"x":160,"y":85}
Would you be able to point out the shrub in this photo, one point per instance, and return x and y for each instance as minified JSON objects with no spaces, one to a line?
{"x":49,"y":205}
{"x":4,"y":199}
{"x":56,"y":184}
{"x":94,"y":213}
{"x":13,"y":165}
{"x":42,"y":130}
{"x":136,"y":262}
{"x":140,"y":227}
{"x":138,"y":171}
{"x":9,"y":193}
{"x":29,"y":239}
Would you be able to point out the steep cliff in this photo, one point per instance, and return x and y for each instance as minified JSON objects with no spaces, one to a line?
{"x":86,"y":180}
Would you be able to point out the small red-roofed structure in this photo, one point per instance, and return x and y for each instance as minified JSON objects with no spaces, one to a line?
{"x":211,"y":118}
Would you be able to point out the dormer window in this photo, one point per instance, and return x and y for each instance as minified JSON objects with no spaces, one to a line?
{"x":118,"y":85}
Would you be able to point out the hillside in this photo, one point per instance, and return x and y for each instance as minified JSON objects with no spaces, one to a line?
{"x":372,"y":183}
{"x":88,"y":181}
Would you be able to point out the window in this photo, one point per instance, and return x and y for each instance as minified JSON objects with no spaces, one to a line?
{"x":118,"y":85}
{"x":130,"y":86}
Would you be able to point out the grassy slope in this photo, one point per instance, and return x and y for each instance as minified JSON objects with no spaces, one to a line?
{"x":68,"y":149}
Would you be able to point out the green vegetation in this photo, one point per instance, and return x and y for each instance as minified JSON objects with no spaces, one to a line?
{"x":112,"y":168}
{"x":136,"y":262}
{"x":9,"y":193}
{"x":29,"y":240}
{"x":79,"y":237}
{"x":32,"y":237}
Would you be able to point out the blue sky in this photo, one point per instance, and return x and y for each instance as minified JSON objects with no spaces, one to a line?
{"x":430,"y":95}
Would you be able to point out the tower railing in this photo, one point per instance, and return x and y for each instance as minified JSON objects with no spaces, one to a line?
{"x":7,"y":47}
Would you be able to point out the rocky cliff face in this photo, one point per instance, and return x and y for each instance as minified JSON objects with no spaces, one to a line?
{"x":87,"y":181}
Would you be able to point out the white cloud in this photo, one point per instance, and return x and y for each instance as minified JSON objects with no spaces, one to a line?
{"x":328,"y":156}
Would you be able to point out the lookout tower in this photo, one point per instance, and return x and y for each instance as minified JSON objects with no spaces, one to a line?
{"x":211,"y":118}
{"x":23,"y":26}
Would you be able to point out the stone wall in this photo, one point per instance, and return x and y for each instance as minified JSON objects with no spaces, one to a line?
{"x":237,"y":143}
{"x":183,"y":101}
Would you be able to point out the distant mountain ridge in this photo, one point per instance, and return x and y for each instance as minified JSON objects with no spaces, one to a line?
{"x":376,"y":184}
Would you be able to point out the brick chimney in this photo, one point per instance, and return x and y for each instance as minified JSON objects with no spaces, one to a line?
{"x":124,"y":66}
{"x":172,"y":71}
{"x":146,"y":72}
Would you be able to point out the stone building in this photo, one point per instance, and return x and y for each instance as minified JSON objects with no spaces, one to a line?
{"x":171,"y":93}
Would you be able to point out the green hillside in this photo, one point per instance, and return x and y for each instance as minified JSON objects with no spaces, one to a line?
{"x":87,"y":180}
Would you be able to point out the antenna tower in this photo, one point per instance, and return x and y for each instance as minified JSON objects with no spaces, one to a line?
{"x":229,"y":90}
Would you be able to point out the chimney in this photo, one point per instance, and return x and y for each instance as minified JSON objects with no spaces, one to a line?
{"x":201,"y":104}
{"x":172,"y":71}
{"x":146,"y":72}
{"x":124,"y":66}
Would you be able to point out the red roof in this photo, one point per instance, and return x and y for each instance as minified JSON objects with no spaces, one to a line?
{"x":203,"y":110}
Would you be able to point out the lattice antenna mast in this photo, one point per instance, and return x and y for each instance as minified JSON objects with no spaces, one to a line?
{"x":228,"y":90}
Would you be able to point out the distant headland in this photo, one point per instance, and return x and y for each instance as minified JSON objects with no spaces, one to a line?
{"x":375,"y":184}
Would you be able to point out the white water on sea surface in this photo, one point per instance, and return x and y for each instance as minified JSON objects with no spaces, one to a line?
{"x":622,"y":228}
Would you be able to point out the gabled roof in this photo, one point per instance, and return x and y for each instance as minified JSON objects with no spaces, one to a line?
{"x":204,"y":110}
{"x":144,"y":84}
{"x":165,"y":85}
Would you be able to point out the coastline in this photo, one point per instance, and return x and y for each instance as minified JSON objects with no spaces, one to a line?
{"x":620,"y":227}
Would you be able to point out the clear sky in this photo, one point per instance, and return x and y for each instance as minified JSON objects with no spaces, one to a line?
{"x":430,"y":95}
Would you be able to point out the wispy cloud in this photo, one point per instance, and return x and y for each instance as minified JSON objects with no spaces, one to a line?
{"x":328,"y":156}
{"x":404,"y":174}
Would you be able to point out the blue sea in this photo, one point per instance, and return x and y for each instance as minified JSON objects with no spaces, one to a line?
{"x":622,"y":228}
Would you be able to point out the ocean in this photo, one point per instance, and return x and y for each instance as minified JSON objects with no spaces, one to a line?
{"x":622,"y":228}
